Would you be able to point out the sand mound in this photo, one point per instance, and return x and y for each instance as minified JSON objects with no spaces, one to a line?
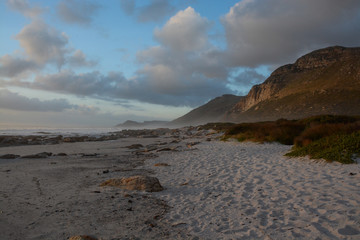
{"x":142,"y":183}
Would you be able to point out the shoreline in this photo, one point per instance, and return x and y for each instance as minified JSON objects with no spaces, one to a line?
{"x":212,"y":190}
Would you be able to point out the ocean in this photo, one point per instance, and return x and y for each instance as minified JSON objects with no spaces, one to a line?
{"x":58,"y":131}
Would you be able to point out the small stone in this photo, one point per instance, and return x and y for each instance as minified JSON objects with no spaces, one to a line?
{"x":161,"y":165}
{"x":82,"y":237}
{"x":134,"y":146}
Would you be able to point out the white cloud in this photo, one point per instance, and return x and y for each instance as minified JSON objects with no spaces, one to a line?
{"x":277,"y":31}
{"x":14,"y":101}
{"x":43,"y":43}
{"x":186,"y":31}
{"x":76,"y":11}
{"x":13,"y":67}
{"x":78,"y":59}
{"x":24,"y":8}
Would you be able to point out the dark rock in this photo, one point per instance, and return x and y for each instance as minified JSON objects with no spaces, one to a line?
{"x":61,"y":154}
{"x":9,"y":156}
{"x":38,"y":155}
{"x":134,"y":146}
{"x":82,"y":237}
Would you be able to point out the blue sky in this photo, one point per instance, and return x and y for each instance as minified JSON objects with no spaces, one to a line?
{"x":92,"y":63}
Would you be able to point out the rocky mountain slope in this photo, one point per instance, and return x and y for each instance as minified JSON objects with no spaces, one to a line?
{"x":213,"y":111}
{"x":326,"y":81}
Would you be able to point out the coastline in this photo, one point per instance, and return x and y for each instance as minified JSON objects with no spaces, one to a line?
{"x":213,"y":190}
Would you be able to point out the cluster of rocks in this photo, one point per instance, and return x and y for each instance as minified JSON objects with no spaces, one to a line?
{"x":46,"y":155}
{"x":6,"y":141}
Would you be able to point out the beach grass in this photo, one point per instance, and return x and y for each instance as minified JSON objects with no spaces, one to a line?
{"x":329,"y":137}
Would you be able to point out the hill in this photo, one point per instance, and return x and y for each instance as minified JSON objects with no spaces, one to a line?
{"x":213,"y":111}
{"x":129,"y":124}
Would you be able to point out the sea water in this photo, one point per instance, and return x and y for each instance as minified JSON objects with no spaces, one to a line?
{"x":58,"y":131}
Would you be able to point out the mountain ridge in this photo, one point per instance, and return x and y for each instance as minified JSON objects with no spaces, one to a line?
{"x":324,"y":81}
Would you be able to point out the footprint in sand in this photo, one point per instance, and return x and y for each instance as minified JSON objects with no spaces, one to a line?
{"x":348,"y":230}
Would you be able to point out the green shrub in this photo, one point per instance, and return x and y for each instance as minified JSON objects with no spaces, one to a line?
{"x":282,"y":131}
{"x":336,"y":147}
{"x":334,"y":138}
{"x":319,"y":131}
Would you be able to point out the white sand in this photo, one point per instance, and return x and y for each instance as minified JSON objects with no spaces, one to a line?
{"x":250,"y":191}
{"x":216,"y":190}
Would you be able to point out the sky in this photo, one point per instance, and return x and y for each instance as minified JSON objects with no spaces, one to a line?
{"x":96,"y":63}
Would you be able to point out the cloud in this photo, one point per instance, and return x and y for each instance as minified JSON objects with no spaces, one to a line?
{"x":128,"y":6}
{"x":154,"y":11}
{"x":78,"y":59}
{"x":186,"y":31}
{"x":244,"y":79}
{"x":13,"y":67}
{"x":86,"y":84}
{"x":277,"y":31}
{"x":43,"y":43}
{"x":14,"y":101}
{"x":24,"y":8}
{"x":77,"y":11}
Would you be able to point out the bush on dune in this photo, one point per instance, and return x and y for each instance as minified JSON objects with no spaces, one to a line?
{"x":334,"y":138}
{"x":337,"y":147}
{"x":282,"y":131}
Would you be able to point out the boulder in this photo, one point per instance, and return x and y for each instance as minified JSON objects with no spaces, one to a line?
{"x":141,"y":183}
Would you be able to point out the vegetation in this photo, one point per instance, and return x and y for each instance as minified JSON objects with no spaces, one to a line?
{"x":219,"y":126}
{"x":334,"y":138}
{"x":336,"y":147}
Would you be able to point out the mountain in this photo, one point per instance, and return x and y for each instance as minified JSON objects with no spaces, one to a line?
{"x":146,"y":124}
{"x":213,"y":111}
{"x":326,"y":81}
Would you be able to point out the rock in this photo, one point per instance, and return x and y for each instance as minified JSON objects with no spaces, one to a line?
{"x":9,"y":156}
{"x":161,"y":165}
{"x":38,"y":155}
{"x":165,"y":149}
{"x":134,"y":146}
{"x":61,"y":154}
{"x":142,"y":183}
{"x":82,"y":237}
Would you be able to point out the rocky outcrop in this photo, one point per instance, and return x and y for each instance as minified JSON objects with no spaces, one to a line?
{"x":321,"y":82}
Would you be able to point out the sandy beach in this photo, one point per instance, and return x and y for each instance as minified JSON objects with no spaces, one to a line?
{"x":212,"y":190}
